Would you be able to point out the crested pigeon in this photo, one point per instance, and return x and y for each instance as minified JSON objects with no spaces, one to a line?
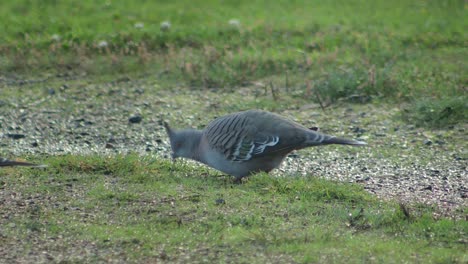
{"x":10,"y":163}
{"x":247,"y":142}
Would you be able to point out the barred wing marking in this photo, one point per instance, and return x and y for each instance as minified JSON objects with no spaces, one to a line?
{"x":246,"y":149}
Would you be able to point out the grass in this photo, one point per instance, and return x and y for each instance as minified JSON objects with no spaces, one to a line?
{"x":322,"y":51}
{"x":149,"y":210}
{"x":445,"y":112}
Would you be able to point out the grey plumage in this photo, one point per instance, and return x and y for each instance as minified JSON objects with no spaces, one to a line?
{"x":11,"y":163}
{"x":247,"y":142}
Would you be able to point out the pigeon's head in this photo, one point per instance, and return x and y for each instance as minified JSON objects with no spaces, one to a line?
{"x":184,"y":143}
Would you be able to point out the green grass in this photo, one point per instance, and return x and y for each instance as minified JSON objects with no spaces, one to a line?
{"x":147,"y":210}
{"x":441,"y":113}
{"x":323,"y":51}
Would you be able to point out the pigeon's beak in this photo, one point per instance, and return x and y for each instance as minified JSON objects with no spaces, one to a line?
{"x":170,"y":133}
{"x":168,"y":128}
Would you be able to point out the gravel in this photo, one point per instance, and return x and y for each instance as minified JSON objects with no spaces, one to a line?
{"x":402,"y":162}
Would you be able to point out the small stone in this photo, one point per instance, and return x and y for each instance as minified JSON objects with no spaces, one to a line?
{"x":359,"y":98}
{"x":358,"y":130}
{"x":16,"y":136}
{"x":109,"y":145}
{"x":55,"y":37}
{"x":429,"y":188}
{"x":139,"y":91}
{"x":163,"y":255}
{"x":427,"y":142}
{"x":309,"y":106}
{"x":363,"y":179}
{"x":102,"y":44}
{"x":220,"y":201}
{"x":135,"y":119}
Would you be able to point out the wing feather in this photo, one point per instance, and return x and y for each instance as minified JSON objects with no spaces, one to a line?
{"x":246,"y":135}
{"x":247,"y":149}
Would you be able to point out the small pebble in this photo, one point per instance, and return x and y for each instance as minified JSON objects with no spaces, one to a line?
{"x":16,"y":136}
{"x":429,"y":188}
{"x":220,"y":201}
{"x":427,"y":142}
{"x":293,"y":155}
{"x":135,"y":119}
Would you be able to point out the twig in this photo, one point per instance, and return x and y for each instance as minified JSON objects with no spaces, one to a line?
{"x":405,"y":211}
{"x":317,"y":95}
{"x":273,"y":91}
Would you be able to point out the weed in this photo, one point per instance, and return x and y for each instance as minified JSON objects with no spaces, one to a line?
{"x":437,"y":113}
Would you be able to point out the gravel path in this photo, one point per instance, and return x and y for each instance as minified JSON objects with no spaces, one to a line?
{"x":59,"y":116}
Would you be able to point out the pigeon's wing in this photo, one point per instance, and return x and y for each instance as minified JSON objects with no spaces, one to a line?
{"x":246,"y":135}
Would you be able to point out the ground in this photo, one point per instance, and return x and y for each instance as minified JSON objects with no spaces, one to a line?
{"x":402,"y":164}
{"x":401,"y":161}
{"x":85,"y":87}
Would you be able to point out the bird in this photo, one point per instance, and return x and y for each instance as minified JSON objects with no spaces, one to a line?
{"x":248,"y":142}
{"x":11,"y":163}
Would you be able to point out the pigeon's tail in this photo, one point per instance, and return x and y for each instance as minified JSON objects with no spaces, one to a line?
{"x":11,"y":163}
{"x":315,"y":138}
{"x":343,"y":141}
